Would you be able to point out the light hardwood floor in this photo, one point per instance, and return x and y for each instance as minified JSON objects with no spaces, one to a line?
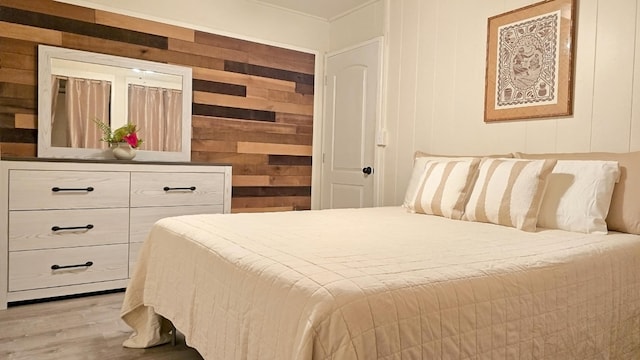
{"x":84,"y":328}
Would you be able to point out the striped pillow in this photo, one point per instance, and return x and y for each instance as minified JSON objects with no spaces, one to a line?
{"x":444,"y":187}
{"x":420,"y":161}
{"x":509,"y":192}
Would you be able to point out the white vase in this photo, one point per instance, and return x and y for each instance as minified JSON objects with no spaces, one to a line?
{"x":123,"y":151}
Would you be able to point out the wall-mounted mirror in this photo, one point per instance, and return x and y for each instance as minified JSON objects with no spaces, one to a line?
{"x":78,"y":89}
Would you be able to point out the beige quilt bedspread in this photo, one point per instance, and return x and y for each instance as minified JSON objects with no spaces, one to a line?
{"x":382,"y":283}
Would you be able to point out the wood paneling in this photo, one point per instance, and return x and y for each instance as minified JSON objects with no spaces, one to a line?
{"x":112,"y":47}
{"x":190,"y":47}
{"x":276,"y":149}
{"x":253,"y":82}
{"x":289,"y":160}
{"x":223,"y":133}
{"x":239,"y":204}
{"x":232,"y":112}
{"x":265,"y":180}
{"x":263,"y":71}
{"x":264,"y":209}
{"x":26,"y":121}
{"x":260,"y":54}
{"x":23,"y":32}
{"x":63,"y":24}
{"x":17,"y":149}
{"x":28,"y":136}
{"x":15,"y":61}
{"x":219,"y":88}
{"x":15,"y":76}
{"x":232,"y":101}
{"x":252,"y":103}
{"x":7,"y":121}
{"x":52,"y":8}
{"x":232,"y":158}
{"x":145,"y":26}
{"x":17,"y":91}
{"x":271,"y":191}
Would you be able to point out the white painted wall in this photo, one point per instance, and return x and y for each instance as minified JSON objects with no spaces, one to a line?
{"x":435,"y":92}
{"x":358,"y":26}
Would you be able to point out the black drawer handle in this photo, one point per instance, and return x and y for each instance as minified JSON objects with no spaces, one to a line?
{"x":59,"y":228}
{"x":58,"y":267}
{"x":57,"y":189}
{"x":191,"y":188}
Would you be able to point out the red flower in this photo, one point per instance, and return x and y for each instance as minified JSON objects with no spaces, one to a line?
{"x":131,"y":139}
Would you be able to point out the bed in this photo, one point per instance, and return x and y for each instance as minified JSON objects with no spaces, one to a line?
{"x":386,"y":283}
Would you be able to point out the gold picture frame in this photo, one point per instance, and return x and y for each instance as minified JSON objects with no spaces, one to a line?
{"x":530,"y":55}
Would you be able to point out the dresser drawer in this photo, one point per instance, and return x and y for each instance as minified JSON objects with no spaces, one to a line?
{"x":32,"y":269}
{"x":143,"y":218}
{"x":37,"y":189}
{"x":49,"y":229}
{"x":171,"y":189}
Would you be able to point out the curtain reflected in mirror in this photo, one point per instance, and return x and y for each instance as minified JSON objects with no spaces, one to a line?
{"x":78,"y":90}
{"x":157,"y":112}
{"x":75,"y":103}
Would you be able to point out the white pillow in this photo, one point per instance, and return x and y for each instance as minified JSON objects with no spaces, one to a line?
{"x":578,"y":196}
{"x":444,"y":187}
{"x":509,"y":192}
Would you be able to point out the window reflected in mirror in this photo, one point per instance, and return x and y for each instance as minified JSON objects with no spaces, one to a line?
{"x":78,"y":89}
{"x":155,"y":110}
{"x":75,"y":100}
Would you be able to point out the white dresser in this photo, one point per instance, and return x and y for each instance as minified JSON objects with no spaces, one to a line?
{"x":69,"y":227}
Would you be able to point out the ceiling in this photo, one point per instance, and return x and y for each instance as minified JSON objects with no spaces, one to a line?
{"x":325,"y":9}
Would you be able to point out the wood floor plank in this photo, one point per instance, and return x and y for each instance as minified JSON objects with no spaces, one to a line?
{"x":81,"y":328}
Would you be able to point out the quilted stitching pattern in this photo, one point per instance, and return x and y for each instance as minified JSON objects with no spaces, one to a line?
{"x":385,"y":284}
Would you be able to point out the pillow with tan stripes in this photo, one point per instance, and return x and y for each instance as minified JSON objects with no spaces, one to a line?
{"x":420,"y":159}
{"x":444,"y":187}
{"x":509,"y":192}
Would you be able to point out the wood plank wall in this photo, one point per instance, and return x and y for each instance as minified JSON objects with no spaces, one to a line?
{"x":252,"y":103}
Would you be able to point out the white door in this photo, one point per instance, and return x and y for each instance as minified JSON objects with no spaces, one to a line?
{"x":351,"y":111}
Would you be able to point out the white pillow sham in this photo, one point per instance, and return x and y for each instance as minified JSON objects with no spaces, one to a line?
{"x":578,"y":196}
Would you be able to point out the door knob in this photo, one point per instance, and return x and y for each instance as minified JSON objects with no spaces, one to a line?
{"x":368,"y":170}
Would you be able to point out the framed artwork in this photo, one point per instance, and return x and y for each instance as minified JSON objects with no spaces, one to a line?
{"x":530,"y":55}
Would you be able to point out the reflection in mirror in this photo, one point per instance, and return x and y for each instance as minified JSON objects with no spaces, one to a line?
{"x":76,"y":88}
{"x":156,"y":109}
{"x":74,"y":100}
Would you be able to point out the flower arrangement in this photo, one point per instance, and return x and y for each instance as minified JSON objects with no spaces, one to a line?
{"x":127,"y":133}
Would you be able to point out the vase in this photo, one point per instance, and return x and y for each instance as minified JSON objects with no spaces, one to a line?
{"x":123,"y":151}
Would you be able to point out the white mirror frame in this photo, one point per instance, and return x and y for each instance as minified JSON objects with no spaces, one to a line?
{"x":45,"y":150}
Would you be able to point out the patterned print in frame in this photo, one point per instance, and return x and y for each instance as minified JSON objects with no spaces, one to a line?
{"x":530,"y":62}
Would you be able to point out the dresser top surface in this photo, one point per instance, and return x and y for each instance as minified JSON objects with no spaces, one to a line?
{"x":109,"y":161}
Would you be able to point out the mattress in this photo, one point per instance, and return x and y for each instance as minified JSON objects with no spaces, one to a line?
{"x":382,"y":283}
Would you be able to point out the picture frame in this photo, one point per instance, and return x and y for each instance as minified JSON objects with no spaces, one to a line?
{"x":530,"y":58}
